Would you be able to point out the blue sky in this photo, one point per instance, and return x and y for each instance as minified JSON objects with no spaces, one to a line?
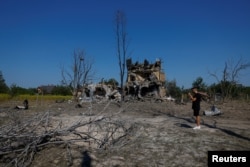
{"x":192,"y":37}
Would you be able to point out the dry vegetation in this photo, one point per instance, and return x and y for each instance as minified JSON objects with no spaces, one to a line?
{"x":107,"y":134}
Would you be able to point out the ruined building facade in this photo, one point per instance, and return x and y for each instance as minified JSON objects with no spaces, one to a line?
{"x":145,"y":79}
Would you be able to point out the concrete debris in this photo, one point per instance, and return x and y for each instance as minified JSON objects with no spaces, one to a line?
{"x":213,"y":111}
{"x":169,"y":98}
{"x":99,"y":92}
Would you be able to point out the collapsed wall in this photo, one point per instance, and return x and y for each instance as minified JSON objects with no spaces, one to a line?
{"x":145,"y":79}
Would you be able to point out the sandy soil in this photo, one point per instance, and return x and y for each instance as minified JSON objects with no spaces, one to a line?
{"x":162,"y":133}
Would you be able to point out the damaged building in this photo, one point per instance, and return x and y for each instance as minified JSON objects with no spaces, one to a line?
{"x":145,"y":79}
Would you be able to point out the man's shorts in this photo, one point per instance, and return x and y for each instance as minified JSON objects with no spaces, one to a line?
{"x":196,"y":112}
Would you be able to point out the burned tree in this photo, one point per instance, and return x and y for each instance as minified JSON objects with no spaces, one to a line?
{"x":145,"y":79}
{"x":230,"y":76}
{"x":80,"y":73}
{"x":122,"y":43}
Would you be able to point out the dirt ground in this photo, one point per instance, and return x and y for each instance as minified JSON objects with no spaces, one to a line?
{"x":162,"y":133}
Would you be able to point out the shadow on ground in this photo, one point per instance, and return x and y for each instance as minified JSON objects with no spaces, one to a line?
{"x":226,"y":131}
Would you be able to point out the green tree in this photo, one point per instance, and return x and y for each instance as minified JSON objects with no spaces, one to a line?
{"x":61,"y":90}
{"x":172,"y":89}
{"x":111,"y":81}
{"x":246,"y":92}
{"x":17,"y":90}
{"x":200,"y":84}
{"x":3,"y":87}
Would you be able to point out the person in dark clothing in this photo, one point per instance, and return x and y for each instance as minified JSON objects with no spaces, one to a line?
{"x":25,"y":105}
{"x":196,"y":99}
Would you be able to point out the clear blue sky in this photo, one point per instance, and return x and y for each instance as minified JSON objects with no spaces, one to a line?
{"x":192,"y":37}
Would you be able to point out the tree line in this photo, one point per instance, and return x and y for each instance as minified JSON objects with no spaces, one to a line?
{"x":62,"y":89}
{"x":15,"y":90}
{"x":224,"y":90}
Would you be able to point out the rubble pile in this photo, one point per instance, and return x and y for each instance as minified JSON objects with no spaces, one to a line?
{"x":145,"y":79}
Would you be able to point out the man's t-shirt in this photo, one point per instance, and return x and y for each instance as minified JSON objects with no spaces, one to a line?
{"x":196,"y":103}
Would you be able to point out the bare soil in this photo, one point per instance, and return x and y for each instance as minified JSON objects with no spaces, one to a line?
{"x":162,"y":133}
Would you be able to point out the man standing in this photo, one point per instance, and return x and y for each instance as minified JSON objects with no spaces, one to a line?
{"x":196,"y":99}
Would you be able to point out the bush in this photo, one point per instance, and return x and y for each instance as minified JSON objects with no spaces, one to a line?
{"x":61,"y":90}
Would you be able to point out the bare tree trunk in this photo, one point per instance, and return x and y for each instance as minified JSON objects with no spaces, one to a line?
{"x":122,"y":45}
